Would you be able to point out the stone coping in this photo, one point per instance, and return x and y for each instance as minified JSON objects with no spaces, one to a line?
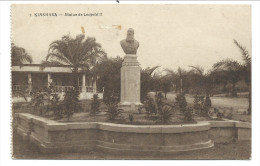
{"x":52,"y":125}
{"x":229,"y":123}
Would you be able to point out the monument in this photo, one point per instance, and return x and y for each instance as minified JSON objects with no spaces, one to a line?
{"x":130,"y":74}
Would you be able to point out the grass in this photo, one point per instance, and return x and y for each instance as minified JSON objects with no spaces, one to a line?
{"x":233,"y":151}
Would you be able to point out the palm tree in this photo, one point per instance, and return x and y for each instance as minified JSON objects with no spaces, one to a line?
{"x":233,"y":69}
{"x":203,"y":81}
{"x":179,"y":78}
{"x":246,"y":70}
{"x":76,"y":52}
{"x":148,"y":81}
{"x":19,"y":55}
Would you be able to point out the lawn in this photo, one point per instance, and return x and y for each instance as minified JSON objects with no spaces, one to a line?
{"x":236,"y":106}
{"x":233,"y":151}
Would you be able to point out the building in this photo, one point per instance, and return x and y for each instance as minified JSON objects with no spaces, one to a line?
{"x":30,"y":77}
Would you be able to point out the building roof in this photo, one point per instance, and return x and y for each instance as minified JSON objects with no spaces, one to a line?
{"x":36,"y":68}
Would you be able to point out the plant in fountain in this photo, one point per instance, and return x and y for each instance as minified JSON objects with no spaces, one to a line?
{"x":113,"y":111}
{"x":54,"y":106}
{"x":202,"y":84}
{"x":187,"y":111}
{"x":165,"y":113}
{"x":37,"y":101}
{"x":131,"y":118}
{"x":47,"y":103}
{"x":71,"y":103}
{"x":181,"y":101}
{"x":150,"y":107}
{"x":95,"y":104}
{"x":188,"y":114}
{"x":157,"y":110}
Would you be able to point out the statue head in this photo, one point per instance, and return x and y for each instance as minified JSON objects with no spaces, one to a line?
{"x":129,"y":45}
{"x":130,"y":35}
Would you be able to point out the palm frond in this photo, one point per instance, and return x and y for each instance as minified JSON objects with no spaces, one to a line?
{"x":52,"y":63}
{"x":245,"y":55}
{"x":78,"y":51}
{"x":19,"y":55}
{"x":58,"y":57}
{"x":149,"y":71}
{"x":198,"y":69}
{"x":227,"y":64}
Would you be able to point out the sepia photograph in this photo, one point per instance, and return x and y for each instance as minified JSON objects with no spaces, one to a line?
{"x":131,"y":82}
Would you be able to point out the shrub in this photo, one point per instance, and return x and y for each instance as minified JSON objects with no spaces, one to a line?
{"x":131,"y":118}
{"x":201,"y":105}
{"x":219,"y":114}
{"x":159,"y":103}
{"x":38,"y":101}
{"x":55,"y":106}
{"x":112,"y":111}
{"x":229,"y":116}
{"x":188,"y":114}
{"x":207,"y":102}
{"x":140,"y":109}
{"x":46,"y":101}
{"x":150,"y":106}
{"x":95,"y":104}
{"x":158,"y":111}
{"x":181,"y":101}
{"x":71,"y":103}
{"x":165,"y":114}
{"x":198,"y":102}
{"x":113,"y":98}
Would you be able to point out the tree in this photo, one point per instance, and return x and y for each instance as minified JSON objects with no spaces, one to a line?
{"x":19,"y":55}
{"x":76,"y":52}
{"x":173,"y":76}
{"x":179,"y":78}
{"x":233,"y":70}
{"x":109,"y":77}
{"x":204,"y":83}
{"x":156,"y":83}
{"x":246,"y":70}
{"x":221,"y":78}
{"x":147,"y":81}
{"x":166,"y":85}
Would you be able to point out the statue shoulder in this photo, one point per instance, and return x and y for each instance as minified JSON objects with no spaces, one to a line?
{"x":122,"y":42}
{"x":136,"y":43}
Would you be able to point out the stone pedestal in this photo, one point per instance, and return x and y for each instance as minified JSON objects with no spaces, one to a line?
{"x":130,"y":84}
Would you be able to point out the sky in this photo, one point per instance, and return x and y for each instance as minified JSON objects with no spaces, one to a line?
{"x":169,"y":35}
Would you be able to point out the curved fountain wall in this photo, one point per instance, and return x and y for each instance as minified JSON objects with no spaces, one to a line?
{"x":57,"y":137}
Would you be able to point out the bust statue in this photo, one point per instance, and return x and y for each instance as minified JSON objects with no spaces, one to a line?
{"x":129,"y":45}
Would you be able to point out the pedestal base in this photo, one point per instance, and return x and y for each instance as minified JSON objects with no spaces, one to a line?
{"x":130,"y":84}
{"x":131,"y":107}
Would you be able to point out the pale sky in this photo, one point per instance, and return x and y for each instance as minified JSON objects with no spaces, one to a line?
{"x":169,"y":35}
